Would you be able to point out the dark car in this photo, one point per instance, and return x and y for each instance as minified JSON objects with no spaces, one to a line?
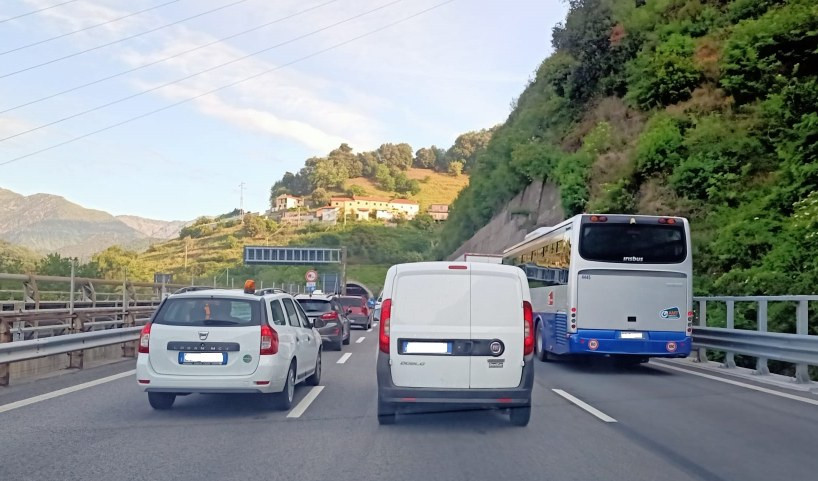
{"x":333,"y":323}
{"x":356,"y":310}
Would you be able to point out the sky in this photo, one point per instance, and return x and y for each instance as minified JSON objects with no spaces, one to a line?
{"x":180,"y":124}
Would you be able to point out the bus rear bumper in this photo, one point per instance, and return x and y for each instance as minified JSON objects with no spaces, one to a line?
{"x":653,"y":343}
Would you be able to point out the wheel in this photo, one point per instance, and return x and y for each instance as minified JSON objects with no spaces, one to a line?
{"x":386,"y":413}
{"x":315,"y":379}
{"x":161,"y":400}
{"x":284,"y":400}
{"x":520,"y":415}
{"x":338,"y":346}
{"x":539,"y":346}
{"x":346,"y":341}
{"x":369,"y":325}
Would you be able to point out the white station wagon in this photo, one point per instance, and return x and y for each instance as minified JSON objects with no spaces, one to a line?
{"x":228,"y":341}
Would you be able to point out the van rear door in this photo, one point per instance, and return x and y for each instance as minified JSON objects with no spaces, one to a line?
{"x":497,"y":316}
{"x":430,"y":321}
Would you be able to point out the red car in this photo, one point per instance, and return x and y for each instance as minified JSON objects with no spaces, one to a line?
{"x":356,"y":310}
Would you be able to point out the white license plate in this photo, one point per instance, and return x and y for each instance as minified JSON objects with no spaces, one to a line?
{"x":632,"y":335}
{"x":410,"y":347}
{"x":203,"y":358}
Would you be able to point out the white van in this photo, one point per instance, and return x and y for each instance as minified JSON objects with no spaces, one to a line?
{"x":456,"y":333}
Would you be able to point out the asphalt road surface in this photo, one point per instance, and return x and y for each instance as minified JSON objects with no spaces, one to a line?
{"x":590,"y":421}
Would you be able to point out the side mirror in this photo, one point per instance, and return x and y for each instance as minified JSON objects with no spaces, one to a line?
{"x":318,"y":323}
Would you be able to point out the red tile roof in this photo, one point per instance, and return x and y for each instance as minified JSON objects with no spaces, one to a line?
{"x":404,"y":201}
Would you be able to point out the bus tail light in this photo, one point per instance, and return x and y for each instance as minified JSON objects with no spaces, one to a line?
{"x":386,"y":317}
{"x":528,"y":328}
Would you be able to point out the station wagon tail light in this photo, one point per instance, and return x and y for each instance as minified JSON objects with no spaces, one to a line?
{"x":386,"y":315}
{"x":145,"y":339}
{"x":269,"y":341}
{"x":330,"y":316}
{"x":528,"y":328}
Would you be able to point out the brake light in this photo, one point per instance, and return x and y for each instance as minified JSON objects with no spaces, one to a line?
{"x":145,"y":339}
{"x":456,"y":267}
{"x":269,"y":341}
{"x":599,"y":218}
{"x":665,"y":220}
{"x":386,"y":314}
{"x":528,"y":328}
{"x":330,"y":316}
{"x":365,"y":310}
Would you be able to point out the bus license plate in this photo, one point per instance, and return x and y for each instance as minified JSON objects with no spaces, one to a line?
{"x":208,"y":358}
{"x":632,"y":335}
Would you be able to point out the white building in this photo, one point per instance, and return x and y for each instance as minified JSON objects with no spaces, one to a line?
{"x":287,"y":201}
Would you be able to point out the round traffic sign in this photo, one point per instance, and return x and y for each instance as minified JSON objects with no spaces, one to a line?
{"x":311,"y":276}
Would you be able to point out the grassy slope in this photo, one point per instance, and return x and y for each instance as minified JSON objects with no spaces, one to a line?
{"x":440,"y":189}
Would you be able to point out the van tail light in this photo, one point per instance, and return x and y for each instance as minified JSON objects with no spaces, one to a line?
{"x":269,"y":341}
{"x":528,"y":328}
{"x":145,"y":339}
{"x":386,"y":315}
{"x":365,"y":310}
{"x":330,"y":316}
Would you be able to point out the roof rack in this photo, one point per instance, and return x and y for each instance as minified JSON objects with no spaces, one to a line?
{"x":270,"y":290}
{"x":195,"y":288}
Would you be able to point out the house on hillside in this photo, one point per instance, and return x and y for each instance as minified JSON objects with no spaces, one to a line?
{"x":327,"y":215}
{"x":439,"y":212}
{"x":409,"y":208}
{"x":287,"y":201}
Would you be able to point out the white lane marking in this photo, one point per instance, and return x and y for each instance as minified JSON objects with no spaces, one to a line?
{"x":62,"y":392}
{"x":369,"y":330}
{"x":375,"y":323}
{"x":814,"y":402}
{"x":343,"y":358}
{"x":360,"y":340}
{"x":596,"y":412}
{"x":299,"y":409}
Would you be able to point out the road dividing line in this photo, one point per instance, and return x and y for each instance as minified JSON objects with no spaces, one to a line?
{"x":596,"y":412}
{"x":360,"y":340}
{"x":369,"y":330}
{"x":343,"y":358}
{"x":299,"y":409}
{"x":814,"y":402}
{"x":62,"y":392}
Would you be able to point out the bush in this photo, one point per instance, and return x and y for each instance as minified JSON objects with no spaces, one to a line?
{"x":665,"y":75}
{"x":616,"y":198}
{"x":455,"y":168}
{"x":231,"y":242}
{"x":659,"y":148}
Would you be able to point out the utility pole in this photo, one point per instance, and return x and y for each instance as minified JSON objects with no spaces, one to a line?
{"x":241,"y":198}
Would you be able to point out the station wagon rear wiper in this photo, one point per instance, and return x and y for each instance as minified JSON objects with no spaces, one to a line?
{"x":218,"y":322}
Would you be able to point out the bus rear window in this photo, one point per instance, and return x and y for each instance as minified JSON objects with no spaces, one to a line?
{"x":633,"y":243}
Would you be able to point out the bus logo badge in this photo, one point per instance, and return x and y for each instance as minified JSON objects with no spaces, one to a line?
{"x":671,"y":313}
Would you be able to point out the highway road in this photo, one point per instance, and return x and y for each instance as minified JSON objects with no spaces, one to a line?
{"x":645,"y":423}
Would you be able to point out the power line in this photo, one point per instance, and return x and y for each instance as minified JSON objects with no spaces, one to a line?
{"x":165,"y":59}
{"x":187,"y":77}
{"x":121,"y":39}
{"x":232,"y":84}
{"x":40,"y":42}
{"x":35,"y":11}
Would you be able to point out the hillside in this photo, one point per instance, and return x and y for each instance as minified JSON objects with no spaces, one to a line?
{"x":49,"y":223}
{"x":16,"y":259}
{"x":435,"y":187}
{"x":702,"y":108}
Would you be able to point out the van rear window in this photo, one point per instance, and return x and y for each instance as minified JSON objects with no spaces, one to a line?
{"x":633,"y":243}
{"x":209,"y":311}
{"x":315,"y":305}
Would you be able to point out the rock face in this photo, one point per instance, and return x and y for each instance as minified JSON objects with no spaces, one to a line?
{"x":537,"y":205}
{"x":49,"y":223}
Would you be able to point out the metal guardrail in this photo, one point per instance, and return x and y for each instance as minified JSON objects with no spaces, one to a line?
{"x":799,"y":348}
{"x":49,"y":346}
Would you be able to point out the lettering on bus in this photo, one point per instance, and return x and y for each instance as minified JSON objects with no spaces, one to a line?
{"x":632,"y":259}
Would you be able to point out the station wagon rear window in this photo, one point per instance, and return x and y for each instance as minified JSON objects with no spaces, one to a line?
{"x":209,"y":311}
{"x":314,"y":305}
{"x":633,"y":243}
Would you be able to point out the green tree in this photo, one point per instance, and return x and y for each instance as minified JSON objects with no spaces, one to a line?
{"x":425,"y":158}
{"x":355,"y":190}
{"x":395,"y":155}
{"x":664,"y":75}
{"x":456,"y":168}
{"x":319,"y":197}
{"x":54,"y":265}
{"x":467,"y":146}
{"x":384,"y":178}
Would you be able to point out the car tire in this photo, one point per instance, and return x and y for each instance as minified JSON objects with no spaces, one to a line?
{"x":338,"y":346}
{"x":283,"y":400}
{"x":161,"y":400}
{"x":386,"y":413}
{"x":315,"y":379}
{"x":520,"y":416}
{"x":346,"y":341}
{"x":539,"y":344}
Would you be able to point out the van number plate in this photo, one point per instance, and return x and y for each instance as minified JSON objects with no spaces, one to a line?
{"x":414,"y":347}
{"x":631,"y":335}
{"x":203,"y":358}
